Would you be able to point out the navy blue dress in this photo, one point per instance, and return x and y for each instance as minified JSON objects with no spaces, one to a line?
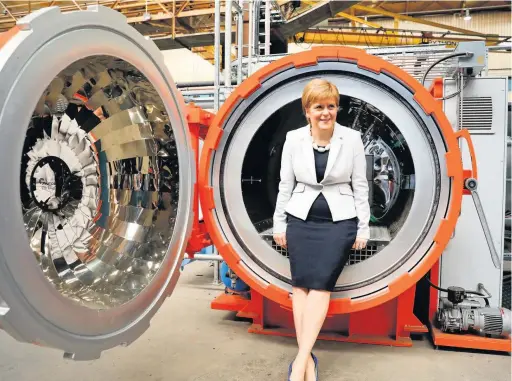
{"x":318,"y":247}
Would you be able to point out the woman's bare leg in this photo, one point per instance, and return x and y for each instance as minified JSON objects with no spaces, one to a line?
{"x":299,"y":298}
{"x":313,"y":317}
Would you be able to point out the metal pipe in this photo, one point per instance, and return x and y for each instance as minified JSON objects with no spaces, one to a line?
{"x":461,"y":105}
{"x":228,"y":16}
{"x":203,"y":105}
{"x":249,"y":40}
{"x":267,"y":27}
{"x":216,"y":58}
{"x":216,"y":268}
{"x":180,"y":85}
{"x":240,"y":41}
{"x":503,"y":46}
{"x":256,"y":27}
{"x":216,"y":273}
{"x":206,"y":257}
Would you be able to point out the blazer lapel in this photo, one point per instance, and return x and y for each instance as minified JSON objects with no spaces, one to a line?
{"x":309,"y":156}
{"x":336,"y":145}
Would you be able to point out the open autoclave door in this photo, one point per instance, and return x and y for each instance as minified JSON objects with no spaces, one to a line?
{"x":97,"y":181}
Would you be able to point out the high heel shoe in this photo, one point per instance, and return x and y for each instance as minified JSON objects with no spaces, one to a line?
{"x":315,"y":360}
{"x":290,"y":371}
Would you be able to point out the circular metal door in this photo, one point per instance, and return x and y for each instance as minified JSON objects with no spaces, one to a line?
{"x":416,"y":171}
{"x":97,"y":176}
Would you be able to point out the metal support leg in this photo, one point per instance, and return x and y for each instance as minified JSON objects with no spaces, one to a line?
{"x":240,"y":41}
{"x":216,"y":58}
{"x":267,"y":26}
{"x":227,"y":43}
{"x":250,"y":39}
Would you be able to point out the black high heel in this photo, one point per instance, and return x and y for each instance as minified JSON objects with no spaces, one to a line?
{"x":315,"y":360}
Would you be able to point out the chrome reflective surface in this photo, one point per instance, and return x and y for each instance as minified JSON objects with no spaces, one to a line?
{"x":100,"y":182}
{"x":386,"y":176}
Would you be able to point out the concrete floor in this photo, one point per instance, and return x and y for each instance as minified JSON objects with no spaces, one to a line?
{"x":189,"y":342}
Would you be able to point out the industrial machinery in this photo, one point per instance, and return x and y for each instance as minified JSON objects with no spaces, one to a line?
{"x":409,"y":139}
{"x":105,"y":202}
{"x":460,"y":312}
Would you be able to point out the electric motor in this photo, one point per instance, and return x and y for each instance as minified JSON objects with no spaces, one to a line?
{"x":484,"y":320}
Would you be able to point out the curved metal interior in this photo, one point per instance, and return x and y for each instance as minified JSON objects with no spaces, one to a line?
{"x":390,"y":170}
{"x":100,"y":182}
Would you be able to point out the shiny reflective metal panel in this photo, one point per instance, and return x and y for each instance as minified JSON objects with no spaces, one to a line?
{"x":98,"y":282}
{"x":387,"y":177}
{"x":100,"y":228}
{"x":414,"y":236}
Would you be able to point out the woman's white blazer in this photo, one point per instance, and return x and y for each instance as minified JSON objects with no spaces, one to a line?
{"x":344,"y":186}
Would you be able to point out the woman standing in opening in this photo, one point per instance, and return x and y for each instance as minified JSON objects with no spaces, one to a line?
{"x":322,"y":211}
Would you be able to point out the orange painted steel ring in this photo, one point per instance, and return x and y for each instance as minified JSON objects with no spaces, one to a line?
{"x":428,"y":104}
{"x":6,"y":36}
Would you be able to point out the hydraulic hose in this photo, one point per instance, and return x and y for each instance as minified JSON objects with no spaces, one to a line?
{"x":460,"y":54}
{"x":485,"y":297}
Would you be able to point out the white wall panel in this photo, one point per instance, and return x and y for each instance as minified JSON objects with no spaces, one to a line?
{"x":186,"y":66}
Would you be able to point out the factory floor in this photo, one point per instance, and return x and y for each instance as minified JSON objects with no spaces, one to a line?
{"x":187,"y":341}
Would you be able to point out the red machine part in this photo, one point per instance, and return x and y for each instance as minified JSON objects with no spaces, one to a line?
{"x":6,"y":36}
{"x":390,"y":323}
{"x":436,"y":90}
{"x":198,"y":121}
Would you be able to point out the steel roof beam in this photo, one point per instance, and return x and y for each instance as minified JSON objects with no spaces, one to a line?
{"x":385,"y":37}
{"x":358,"y":20}
{"x":380,"y":11}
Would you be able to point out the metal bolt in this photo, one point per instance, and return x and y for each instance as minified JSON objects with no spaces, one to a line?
{"x":471,"y":184}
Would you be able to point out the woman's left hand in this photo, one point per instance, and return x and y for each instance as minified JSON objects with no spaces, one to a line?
{"x":359,"y":244}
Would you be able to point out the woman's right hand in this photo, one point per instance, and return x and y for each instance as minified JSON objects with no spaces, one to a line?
{"x":280,"y":239}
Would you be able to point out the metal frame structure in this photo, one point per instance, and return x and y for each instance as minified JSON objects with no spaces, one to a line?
{"x":192,"y":24}
{"x":152,"y":12}
{"x":415,"y":42}
{"x":413,"y":59}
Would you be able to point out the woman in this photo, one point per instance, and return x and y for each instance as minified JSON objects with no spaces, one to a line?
{"x":322,"y":211}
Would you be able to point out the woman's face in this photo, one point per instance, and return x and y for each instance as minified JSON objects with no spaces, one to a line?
{"x":322,"y":113}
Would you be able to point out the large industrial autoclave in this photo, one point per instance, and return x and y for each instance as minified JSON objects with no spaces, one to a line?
{"x":103,"y":180}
